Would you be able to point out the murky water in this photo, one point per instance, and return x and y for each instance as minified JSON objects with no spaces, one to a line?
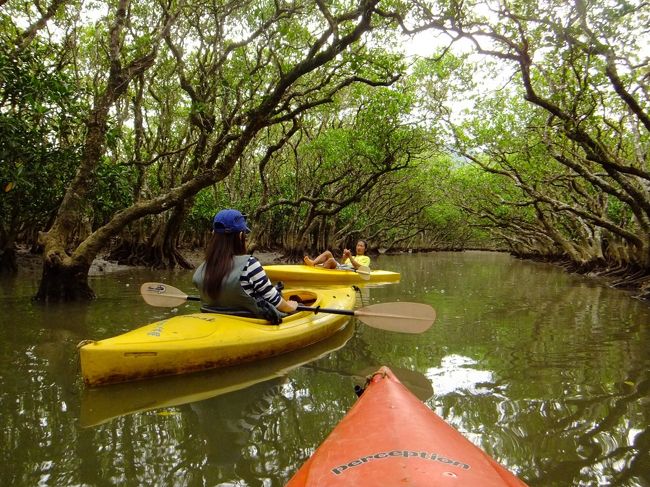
{"x":547,"y":372}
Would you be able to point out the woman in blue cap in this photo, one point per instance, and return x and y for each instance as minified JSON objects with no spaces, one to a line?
{"x":230,"y":278}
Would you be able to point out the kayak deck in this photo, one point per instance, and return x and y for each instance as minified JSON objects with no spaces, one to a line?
{"x":389,"y":437}
{"x":200,"y":341}
{"x":305,"y":273}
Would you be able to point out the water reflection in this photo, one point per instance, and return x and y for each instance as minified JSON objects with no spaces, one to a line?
{"x":457,"y":374}
{"x":228,"y":422}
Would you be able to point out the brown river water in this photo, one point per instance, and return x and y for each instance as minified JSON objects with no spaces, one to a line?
{"x":547,"y":372}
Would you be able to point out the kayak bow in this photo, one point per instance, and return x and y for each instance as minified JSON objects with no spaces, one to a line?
{"x":389,"y":437}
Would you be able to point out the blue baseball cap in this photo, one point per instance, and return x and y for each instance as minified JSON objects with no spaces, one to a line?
{"x":230,"y":221}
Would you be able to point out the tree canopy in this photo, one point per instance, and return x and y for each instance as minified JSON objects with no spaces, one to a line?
{"x":126,"y":126}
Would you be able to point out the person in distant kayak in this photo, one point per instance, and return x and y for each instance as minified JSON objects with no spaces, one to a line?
{"x":350,"y":262}
{"x":230,"y":278}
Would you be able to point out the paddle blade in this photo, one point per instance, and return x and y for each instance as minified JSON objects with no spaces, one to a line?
{"x":403,"y":317}
{"x":364,"y":272}
{"x":162,"y":295}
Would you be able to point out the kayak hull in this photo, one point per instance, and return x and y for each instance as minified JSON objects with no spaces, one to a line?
{"x":102,"y":404}
{"x":201,"y":341}
{"x":305,"y":273}
{"x":389,"y":437}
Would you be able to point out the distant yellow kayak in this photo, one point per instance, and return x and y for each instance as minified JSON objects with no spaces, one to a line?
{"x":187,"y":343}
{"x":305,"y":273}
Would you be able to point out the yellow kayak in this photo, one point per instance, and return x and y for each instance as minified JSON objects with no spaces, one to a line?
{"x":101,"y":404}
{"x":305,"y":273}
{"x":200,"y":341}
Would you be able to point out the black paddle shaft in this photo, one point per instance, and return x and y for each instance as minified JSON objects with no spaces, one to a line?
{"x":300,"y":307}
{"x":318,"y":309}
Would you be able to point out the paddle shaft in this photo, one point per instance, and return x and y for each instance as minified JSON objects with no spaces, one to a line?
{"x":301,"y":308}
{"x":316,"y":310}
{"x":334,"y":311}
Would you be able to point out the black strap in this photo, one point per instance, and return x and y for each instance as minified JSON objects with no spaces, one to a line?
{"x":269,"y":312}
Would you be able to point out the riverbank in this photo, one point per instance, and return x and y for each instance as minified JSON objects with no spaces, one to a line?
{"x":630,"y":278}
{"x":32,"y":263}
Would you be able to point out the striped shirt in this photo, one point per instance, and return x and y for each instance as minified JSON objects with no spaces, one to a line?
{"x":256,"y":283}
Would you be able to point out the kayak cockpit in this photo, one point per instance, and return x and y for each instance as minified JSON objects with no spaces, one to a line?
{"x":303,"y":297}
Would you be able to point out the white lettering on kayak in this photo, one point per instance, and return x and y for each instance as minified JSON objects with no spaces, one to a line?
{"x":399,"y":453}
{"x":157,"y":330}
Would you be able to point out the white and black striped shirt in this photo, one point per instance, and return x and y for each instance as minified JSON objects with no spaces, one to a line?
{"x":256,"y":283}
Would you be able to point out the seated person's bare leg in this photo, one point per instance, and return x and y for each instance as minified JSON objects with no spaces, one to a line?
{"x":321,"y":259}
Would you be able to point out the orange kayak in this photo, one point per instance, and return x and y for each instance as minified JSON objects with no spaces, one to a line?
{"x":389,"y":437}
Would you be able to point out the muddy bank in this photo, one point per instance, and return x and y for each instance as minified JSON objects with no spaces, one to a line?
{"x":630,"y":278}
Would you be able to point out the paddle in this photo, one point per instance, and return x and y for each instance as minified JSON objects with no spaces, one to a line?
{"x":403,"y":317}
{"x":399,"y":316}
